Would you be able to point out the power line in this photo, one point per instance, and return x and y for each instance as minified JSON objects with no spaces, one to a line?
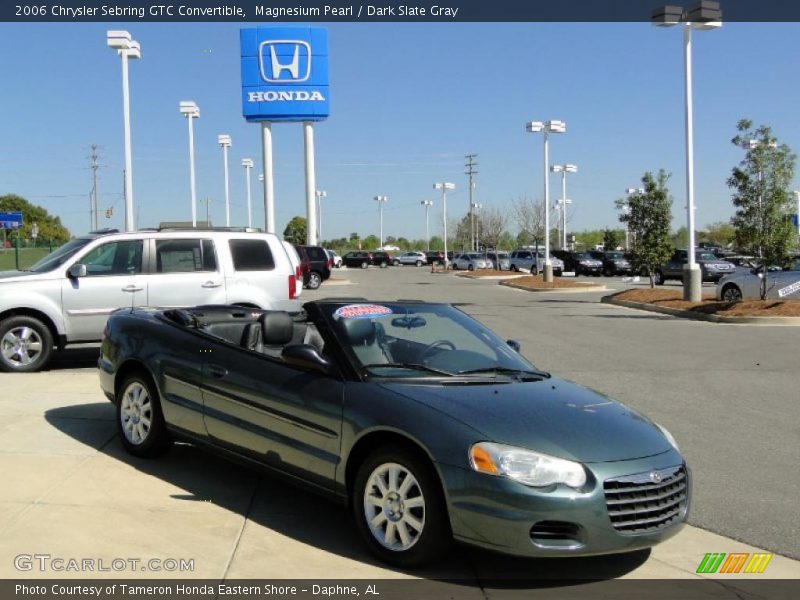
{"x":471,"y":172}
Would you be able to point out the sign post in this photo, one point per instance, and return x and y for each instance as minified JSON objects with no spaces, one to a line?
{"x":285,"y":79}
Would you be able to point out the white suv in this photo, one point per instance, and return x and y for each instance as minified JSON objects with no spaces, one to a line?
{"x":67,"y":296}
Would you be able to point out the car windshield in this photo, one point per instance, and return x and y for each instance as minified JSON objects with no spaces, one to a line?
{"x":502,"y":255}
{"x":615,"y":255}
{"x":582,"y":255}
{"x":407,"y":339}
{"x":475,"y":256}
{"x":59,"y":256}
{"x":706,"y":256}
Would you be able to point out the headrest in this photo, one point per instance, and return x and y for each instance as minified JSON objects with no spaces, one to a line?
{"x":276,"y":328}
{"x":359,"y":332}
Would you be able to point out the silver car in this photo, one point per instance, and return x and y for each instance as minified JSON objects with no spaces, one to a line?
{"x":746,"y":284}
{"x":410,"y":258}
{"x":471,"y":261}
{"x":523,"y":258}
{"x":500,"y":260}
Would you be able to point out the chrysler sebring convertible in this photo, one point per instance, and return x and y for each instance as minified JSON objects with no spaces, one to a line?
{"x":427,"y":425}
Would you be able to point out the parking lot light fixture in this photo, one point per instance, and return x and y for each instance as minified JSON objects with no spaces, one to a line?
{"x":191,"y":111}
{"x":564,"y":169}
{"x":247,"y":163}
{"x":224,"y":141}
{"x":704,"y":15}
{"x":427,"y":204}
{"x":444,"y":186}
{"x":626,"y":209}
{"x":127,"y":48}
{"x":546,"y":128}
{"x":381,"y":200}
{"x":320,"y":194}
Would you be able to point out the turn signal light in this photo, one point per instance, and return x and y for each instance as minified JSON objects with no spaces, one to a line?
{"x":482,"y":461}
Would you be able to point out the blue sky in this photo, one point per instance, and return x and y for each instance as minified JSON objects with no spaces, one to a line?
{"x":408,"y":101}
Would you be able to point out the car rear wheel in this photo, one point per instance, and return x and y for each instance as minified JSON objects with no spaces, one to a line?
{"x":364,"y":264}
{"x":731,"y":293}
{"x":314,"y":280}
{"x":659,"y":278}
{"x":396,"y":263}
{"x":139,"y":419}
{"x":26,"y":344}
{"x":470,"y":267}
{"x":513,"y":268}
{"x":419,"y":263}
{"x":399,"y":508}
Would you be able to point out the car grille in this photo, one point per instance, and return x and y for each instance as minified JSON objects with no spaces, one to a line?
{"x":647,"y":502}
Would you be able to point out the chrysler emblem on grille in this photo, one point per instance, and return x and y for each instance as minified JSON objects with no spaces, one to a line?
{"x":655,"y":477}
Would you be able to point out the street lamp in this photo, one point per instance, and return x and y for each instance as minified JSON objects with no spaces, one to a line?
{"x":477,"y":211}
{"x":381,"y":200}
{"x":127,"y":48}
{"x":564,"y":169}
{"x":444,"y":186}
{"x":546,"y":127}
{"x":427,"y":204}
{"x":626,"y":208}
{"x":320,"y":195}
{"x":224,"y":141}
{"x":191,"y":111}
{"x":704,"y":16}
{"x":247,"y":163}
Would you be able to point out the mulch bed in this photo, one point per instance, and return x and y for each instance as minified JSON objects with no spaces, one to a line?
{"x":536,"y":282}
{"x":709,"y":306}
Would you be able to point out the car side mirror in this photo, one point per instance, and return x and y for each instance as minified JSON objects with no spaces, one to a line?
{"x":308,"y":357}
{"x":77,"y":270}
{"x":514,"y":345}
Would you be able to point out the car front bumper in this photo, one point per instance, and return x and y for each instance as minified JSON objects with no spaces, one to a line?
{"x":715,"y":276}
{"x":500,"y":514}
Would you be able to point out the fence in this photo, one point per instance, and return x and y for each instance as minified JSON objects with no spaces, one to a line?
{"x":27,"y":254}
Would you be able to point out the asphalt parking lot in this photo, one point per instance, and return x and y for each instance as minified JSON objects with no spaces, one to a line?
{"x":728,"y":393}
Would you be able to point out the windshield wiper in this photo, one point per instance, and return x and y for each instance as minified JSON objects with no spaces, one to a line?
{"x":539,"y":375}
{"x":411,"y":366}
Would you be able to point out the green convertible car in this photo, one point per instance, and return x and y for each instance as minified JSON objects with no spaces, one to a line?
{"x":424,"y":422}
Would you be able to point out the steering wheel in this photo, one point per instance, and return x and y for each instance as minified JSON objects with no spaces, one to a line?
{"x":430,"y":347}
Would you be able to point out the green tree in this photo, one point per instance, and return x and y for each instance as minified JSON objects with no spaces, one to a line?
{"x":610,"y":239}
{"x":680,"y":239}
{"x":437,"y":243}
{"x":50,"y":227}
{"x":589,"y":238}
{"x":719,"y":234}
{"x":371,"y":242}
{"x":296,"y":230}
{"x":648,"y":218}
{"x":761,"y":196}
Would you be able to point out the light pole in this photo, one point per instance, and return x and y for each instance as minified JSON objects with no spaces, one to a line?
{"x":191,"y":111}
{"x":127,"y":48}
{"x":224,"y":141}
{"x":320,"y":195}
{"x":427,"y":204}
{"x":797,"y":195}
{"x":704,"y":15}
{"x":626,"y":209}
{"x":546,"y":127}
{"x":381,"y":200}
{"x":247,"y":163}
{"x":564,"y":169}
{"x":476,"y":210}
{"x":444,"y":186}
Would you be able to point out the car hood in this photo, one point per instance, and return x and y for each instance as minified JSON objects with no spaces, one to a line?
{"x":552,"y":416}
{"x":11,"y":276}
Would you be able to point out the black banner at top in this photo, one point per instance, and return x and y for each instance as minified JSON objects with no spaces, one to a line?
{"x":421,"y":11}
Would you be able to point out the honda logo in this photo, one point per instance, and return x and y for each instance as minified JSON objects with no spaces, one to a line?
{"x":656,"y":477}
{"x":273,"y":66}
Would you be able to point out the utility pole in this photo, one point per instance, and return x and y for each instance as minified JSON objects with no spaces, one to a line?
{"x":207,"y":202}
{"x":470,"y":165}
{"x":95,"y":191}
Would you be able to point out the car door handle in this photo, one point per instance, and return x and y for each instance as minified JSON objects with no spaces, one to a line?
{"x":132,"y":288}
{"x":216,"y":371}
{"x":211,"y":284}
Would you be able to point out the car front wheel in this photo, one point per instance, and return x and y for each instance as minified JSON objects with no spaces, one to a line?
{"x":731,"y":293}
{"x":314,"y":280}
{"x":659,"y":278}
{"x":26,"y":344}
{"x":139,"y":419}
{"x":400,"y":509}
{"x":513,"y":268}
{"x":364,"y":264}
{"x":396,"y":263}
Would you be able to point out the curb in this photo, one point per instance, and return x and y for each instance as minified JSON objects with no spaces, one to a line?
{"x":590,"y":288}
{"x":695,"y":316}
{"x":489,"y":277}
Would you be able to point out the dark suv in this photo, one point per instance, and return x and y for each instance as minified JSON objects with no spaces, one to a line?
{"x":711,"y":268}
{"x":581,"y":263}
{"x":614,"y":262}
{"x":434,"y":256}
{"x":316,"y":265}
{"x":382,"y":259}
{"x":357,"y":259}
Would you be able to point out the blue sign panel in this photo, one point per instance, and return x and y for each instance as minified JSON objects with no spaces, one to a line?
{"x":285,"y":74}
{"x":9,"y":220}
{"x":796,"y":220}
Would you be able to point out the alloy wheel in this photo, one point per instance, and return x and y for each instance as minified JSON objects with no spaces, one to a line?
{"x":21,"y":346}
{"x":136,"y":413}
{"x":394,"y":507}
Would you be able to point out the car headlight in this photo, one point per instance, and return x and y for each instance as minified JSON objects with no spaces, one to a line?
{"x":669,"y":436}
{"x":525,"y":466}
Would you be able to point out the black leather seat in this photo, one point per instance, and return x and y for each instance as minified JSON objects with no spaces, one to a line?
{"x":363,"y":338}
{"x":277,"y":330}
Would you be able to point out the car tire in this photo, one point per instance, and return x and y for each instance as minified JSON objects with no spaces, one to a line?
{"x":139,"y":419}
{"x":659,"y":278}
{"x":396,"y":263}
{"x":419,"y":263}
{"x":513,"y":268}
{"x":731,"y":293}
{"x":384,"y":514}
{"x":314,"y":280}
{"x":26,"y":344}
{"x":608,"y":273}
{"x":470,"y":267}
{"x":364,"y":264}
